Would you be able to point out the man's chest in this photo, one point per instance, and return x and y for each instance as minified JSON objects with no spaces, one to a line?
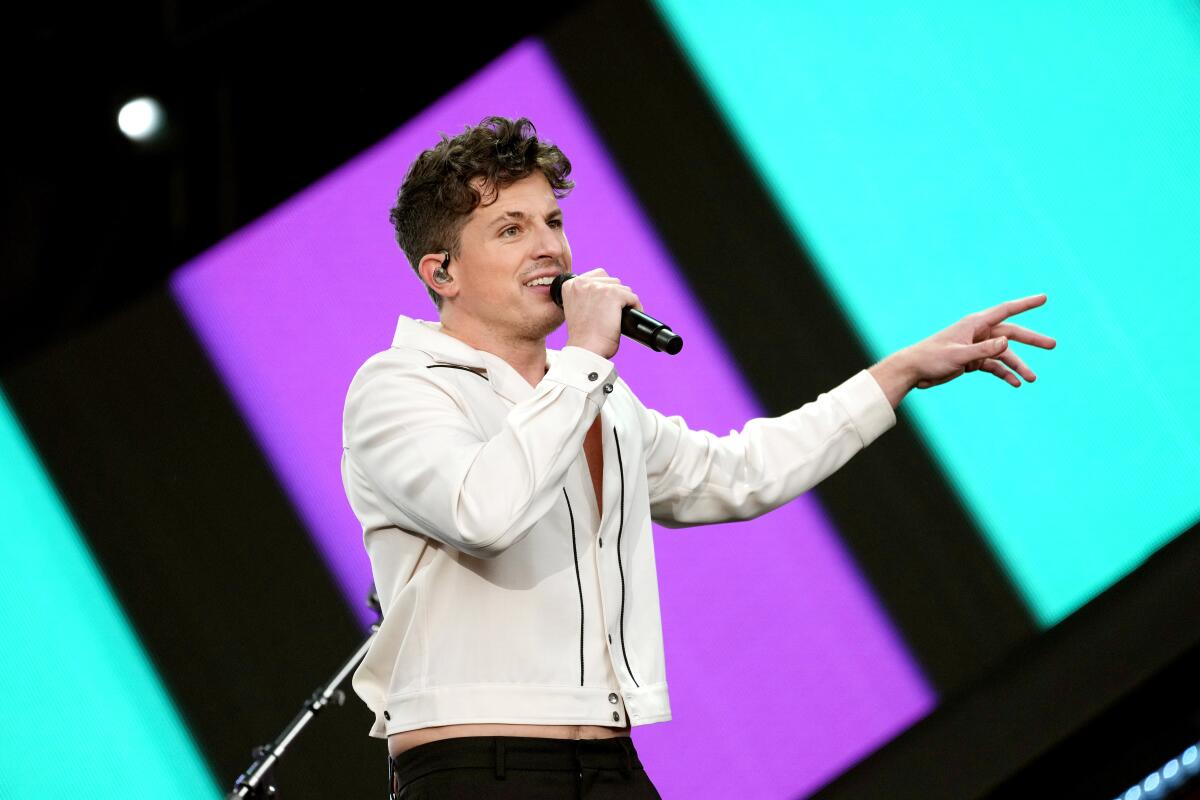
{"x":491,"y":417}
{"x":594,"y":451}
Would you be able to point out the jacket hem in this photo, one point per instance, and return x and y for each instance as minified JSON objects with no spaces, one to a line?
{"x":521,"y":704}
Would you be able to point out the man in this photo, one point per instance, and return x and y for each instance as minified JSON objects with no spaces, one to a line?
{"x":506,"y":491}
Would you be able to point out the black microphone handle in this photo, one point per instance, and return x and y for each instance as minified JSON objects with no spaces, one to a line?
{"x":637,"y":325}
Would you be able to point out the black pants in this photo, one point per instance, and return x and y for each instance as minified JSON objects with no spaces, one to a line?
{"x":520,"y":768}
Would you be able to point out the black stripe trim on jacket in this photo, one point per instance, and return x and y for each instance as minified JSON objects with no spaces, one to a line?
{"x":620,"y":568}
{"x":578,"y":582}
{"x":480,"y":371}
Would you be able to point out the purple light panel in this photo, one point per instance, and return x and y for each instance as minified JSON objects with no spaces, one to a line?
{"x":783,"y":669}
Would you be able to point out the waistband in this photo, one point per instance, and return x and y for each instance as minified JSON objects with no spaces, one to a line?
{"x":513,"y":752}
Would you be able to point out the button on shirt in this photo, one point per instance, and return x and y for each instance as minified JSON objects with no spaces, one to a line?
{"x":503,"y":601}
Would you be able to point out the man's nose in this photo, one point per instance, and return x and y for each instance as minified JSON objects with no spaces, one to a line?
{"x":549,"y":243}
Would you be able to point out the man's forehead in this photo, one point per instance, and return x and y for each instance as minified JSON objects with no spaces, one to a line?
{"x":520,"y":199}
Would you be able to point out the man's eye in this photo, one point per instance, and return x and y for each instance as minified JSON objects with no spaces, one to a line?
{"x":555,"y":223}
{"x":509,"y":230}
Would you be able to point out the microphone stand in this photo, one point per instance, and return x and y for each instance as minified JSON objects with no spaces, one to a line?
{"x":258,"y":780}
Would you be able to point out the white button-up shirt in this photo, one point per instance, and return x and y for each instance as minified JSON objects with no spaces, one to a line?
{"x":508,"y":595}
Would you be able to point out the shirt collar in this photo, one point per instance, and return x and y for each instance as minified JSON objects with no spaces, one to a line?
{"x":428,"y":337}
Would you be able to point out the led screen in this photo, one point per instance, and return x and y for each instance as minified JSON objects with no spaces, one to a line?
{"x":87,"y":713}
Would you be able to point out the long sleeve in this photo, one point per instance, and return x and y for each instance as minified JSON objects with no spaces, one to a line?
{"x":407,"y":440}
{"x":696,"y":477}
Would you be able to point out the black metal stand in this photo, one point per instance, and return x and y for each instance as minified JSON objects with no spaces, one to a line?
{"x":258,"y":780}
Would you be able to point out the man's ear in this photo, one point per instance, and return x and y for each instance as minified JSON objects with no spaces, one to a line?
{"x":429,"y":264}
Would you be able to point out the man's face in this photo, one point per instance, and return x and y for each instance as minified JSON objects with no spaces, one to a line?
{"x":505,"y":244}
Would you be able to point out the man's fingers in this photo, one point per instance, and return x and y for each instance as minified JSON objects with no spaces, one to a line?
{"x":1013,"y":360}
{"x":997,"y":314}
{"x":1024,"y":335}
{"x":996,"y":368}
{"x":598,"y":275}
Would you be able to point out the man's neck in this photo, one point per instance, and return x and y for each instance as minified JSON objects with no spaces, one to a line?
{"x":526,"y":356}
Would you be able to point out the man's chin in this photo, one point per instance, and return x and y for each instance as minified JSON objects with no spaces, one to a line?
{"x":551,"y":324}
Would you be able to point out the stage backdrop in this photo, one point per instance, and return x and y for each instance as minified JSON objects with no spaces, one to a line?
{"x":930,"y":161}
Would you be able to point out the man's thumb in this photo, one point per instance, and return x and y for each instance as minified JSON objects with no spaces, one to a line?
{"x":990,"y":348}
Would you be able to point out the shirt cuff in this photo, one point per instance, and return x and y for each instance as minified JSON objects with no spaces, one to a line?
{"x":581,"y":369}
{"x":867,"y":406}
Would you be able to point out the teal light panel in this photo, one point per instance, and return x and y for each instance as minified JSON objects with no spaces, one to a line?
{"x":85,"y":714}
{"x":938,"y":158}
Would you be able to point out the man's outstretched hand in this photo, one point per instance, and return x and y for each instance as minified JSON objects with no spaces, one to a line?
{"x":978,"y":341}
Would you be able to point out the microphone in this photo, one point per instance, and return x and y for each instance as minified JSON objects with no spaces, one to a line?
{"x":635,"y":324}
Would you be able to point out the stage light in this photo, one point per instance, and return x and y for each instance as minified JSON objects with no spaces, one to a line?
{"x":141,"y":119}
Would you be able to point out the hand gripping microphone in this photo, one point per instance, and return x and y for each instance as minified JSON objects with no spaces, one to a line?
{"x":636,"y":325}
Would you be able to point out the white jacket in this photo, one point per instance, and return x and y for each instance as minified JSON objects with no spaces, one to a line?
{"x":508,"y":596}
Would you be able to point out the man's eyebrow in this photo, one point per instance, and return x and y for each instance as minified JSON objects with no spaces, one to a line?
{"x":521,"y":215}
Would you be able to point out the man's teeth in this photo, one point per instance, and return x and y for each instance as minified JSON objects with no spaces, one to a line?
{"x":546,"y":281}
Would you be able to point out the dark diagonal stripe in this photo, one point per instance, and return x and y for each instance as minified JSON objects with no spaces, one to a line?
{"x":207,"y":558}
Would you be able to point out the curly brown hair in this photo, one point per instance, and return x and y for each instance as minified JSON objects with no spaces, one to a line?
{"x":437,"y":195}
